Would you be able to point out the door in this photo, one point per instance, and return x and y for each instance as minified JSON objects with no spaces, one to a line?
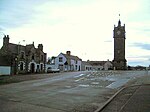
{"x":32,"y":68}
{"x":61,"y":67}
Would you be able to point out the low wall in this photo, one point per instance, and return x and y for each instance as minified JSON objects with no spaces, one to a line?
{"x":5,"y":70}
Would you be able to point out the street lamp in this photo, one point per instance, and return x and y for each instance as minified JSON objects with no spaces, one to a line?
{"x":16,"y":65}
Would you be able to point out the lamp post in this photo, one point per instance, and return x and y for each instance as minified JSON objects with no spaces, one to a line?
{"x":16,"y":65}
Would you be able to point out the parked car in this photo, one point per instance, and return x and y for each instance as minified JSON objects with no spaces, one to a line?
{"x":53,"y":70}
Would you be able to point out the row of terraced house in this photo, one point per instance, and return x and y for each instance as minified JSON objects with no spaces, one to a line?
{"x":20,"y":59}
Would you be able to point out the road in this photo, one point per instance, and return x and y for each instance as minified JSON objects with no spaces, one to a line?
{"x":65,"y":92}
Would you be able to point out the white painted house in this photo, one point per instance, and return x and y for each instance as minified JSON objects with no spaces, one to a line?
{"x":68,"y":62}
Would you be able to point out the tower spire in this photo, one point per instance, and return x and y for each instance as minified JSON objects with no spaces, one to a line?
{"x":119,"y":22}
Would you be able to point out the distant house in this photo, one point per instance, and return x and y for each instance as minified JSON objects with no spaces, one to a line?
{"x":108,"y":65}
{"x":24,"y":59}
{"x":51,"y":63}
{"x":86,"y":66}
{"x":97,"y":65}
{"x":68,"y":62}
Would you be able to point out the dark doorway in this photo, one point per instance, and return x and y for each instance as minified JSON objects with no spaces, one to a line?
{"x":79,"y":68}
{"x":32,"y":67}
{"x":21,"y":66}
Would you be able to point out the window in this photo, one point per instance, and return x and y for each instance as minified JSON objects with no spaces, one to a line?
{"x":42,"y":57}
{"x":76,"y":67}
{"x":60,"y":59}
{"x":79,"y":68}
{"x":22,"y":55}
{"x":33,"y":57}
{"x":38,"y":69}
{"x":86,"y":68}
{"x":76,"y":62}
{"x":41,"y":67}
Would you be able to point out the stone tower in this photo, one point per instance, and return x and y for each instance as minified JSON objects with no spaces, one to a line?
{"x":119,"y":61}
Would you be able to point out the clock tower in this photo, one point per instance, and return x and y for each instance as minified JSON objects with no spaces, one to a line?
{"x":119,"y":61}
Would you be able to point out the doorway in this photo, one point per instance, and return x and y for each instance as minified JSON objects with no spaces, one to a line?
{"x":32,"y":68}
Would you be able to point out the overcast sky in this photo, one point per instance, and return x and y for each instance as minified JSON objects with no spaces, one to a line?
{"x":85,"y":27}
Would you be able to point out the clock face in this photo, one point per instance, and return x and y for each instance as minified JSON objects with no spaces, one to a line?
{"x":118,"y":32}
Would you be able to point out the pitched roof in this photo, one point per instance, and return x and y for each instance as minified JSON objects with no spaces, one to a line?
{"x":86,"y":63}
{"x":13,"y":48}
{"x":28,"y":47}
{"x":71,"y":57}
{"x":97,"y":63}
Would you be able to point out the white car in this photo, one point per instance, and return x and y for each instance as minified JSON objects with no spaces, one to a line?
{"x":53,"y":70}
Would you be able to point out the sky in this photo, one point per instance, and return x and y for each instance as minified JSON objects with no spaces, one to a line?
{"x":84,"y":27}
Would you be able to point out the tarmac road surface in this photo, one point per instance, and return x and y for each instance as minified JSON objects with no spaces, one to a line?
{"x":66,"y":92}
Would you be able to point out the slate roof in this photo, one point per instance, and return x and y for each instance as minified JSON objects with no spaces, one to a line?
{"x":97,"y":63}
{"x":13,"y":48}
{"x":69,"y":57}
{"x":28,"y":47}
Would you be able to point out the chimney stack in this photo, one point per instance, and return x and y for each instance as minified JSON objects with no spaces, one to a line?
{"x":40,"y":46}
{"x":68,"y":53}
{"x":6,"y":40}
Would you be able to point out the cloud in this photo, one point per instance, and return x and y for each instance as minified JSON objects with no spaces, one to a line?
{"x":108,"y":41}
{"x":16,"y":13}
{"x":82,"y":26}
{"x":144,"y":46}
{"x":139,"y":60}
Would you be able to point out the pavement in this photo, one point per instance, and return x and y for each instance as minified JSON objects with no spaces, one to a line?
{"x":135,"y":98}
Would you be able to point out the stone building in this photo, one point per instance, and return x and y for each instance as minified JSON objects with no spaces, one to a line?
{"x":24,"y":59}
{"x":119,"y":61}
